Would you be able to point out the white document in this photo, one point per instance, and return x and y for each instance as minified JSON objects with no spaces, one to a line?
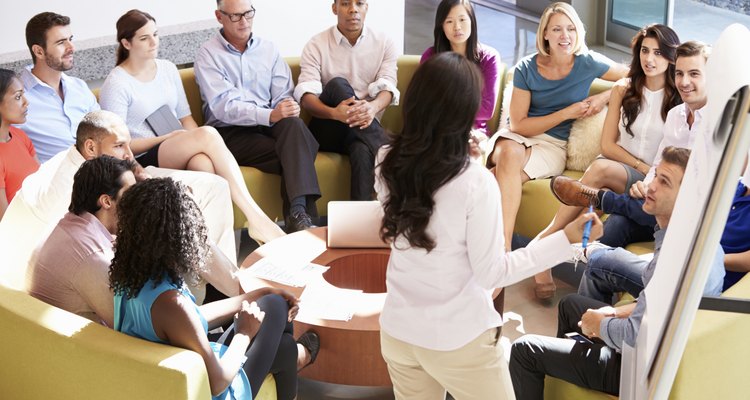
{"x":323,"y":301}
{"x":285,"y":273}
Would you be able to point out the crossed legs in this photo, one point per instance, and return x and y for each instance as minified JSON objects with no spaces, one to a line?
{"x":202,"y":149}
{"x":602,"y":173}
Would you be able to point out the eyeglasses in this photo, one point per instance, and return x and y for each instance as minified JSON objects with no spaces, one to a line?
{"x":248,"y":15}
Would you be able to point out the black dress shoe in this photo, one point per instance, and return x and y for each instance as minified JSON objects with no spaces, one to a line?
{"x":298,"y":222}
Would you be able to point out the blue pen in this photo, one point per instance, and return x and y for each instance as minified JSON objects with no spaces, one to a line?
{"x":587,"y":229}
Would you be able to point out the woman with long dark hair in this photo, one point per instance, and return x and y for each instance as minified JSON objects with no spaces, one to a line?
{"x":17,"y":155}
{"x":161,"y":245}
{"x":443,"y":218}
{"x":635,"y":119}
{"x":140,"y":85}
{"x":456,"y":30}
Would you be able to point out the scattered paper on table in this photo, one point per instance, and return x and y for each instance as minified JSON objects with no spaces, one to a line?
{"x":285,"y":273}
{"x":327,"y":302}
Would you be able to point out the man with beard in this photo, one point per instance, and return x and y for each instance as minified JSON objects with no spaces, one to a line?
{"x":57,"y":102}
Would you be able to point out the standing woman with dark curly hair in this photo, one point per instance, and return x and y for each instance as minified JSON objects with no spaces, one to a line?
{"x":161,"y":244}
{"x":443,"y":218}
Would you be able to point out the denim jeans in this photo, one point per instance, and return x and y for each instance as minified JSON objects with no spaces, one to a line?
{"x":612,"y":270}
{"x":627,"y":222}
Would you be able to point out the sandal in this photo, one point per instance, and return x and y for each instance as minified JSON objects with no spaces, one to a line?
{"x":311,"y":341}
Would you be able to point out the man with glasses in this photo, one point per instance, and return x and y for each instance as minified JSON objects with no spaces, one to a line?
{"x":246,"y":89}
{"x":347,"y":79}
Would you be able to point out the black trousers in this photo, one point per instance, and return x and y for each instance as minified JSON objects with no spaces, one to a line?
{"x":287,"y":148}
{"x":360,"y":144}
{"x":273,"y":350}
{"x":594,"y":366}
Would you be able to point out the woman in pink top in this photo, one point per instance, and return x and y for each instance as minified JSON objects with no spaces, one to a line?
{"x":456,"y":30}
{"x":17,"y":156}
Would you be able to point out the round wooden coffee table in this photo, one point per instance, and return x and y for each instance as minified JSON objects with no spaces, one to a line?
{"x":349,"y":351}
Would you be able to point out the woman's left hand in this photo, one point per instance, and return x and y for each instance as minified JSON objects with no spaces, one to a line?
{"x":596,"y":103}
{"x":291,"y":299}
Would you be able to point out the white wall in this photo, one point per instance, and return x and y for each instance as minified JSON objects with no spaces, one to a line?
{"x":289,"y":23}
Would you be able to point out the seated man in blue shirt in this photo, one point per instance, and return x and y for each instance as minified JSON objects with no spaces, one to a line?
{"x":246,"y":89}
{"x":597,"y":365}
{"x":57,"y":102}
{"x":616,"y":270}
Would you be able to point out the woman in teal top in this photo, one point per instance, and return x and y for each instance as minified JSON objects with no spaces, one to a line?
{"x":550,"y":91}
{"x":161,"y":245}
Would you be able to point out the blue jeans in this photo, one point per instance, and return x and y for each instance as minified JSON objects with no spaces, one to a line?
{"x":612,"y":270}
{"x":627,"y":222}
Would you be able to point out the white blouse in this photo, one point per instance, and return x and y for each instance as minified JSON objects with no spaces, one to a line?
{"x":134,"y":100}
{"x":648,"y":128}
{"x":442,"y":300}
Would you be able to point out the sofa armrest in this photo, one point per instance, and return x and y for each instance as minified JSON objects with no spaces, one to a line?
{"x":51,"y":353}
{"x":716,"y":353}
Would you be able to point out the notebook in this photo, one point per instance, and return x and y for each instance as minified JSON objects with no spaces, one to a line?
{"x":163,"y":121}
{"x":355,"y":224}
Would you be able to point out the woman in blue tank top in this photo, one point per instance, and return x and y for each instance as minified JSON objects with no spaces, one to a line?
{"x":161,"y":245}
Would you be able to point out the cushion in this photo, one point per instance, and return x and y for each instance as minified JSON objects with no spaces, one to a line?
{"x":584,"y":143}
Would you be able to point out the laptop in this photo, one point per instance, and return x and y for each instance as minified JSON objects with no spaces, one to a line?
{"x":355,"y":224}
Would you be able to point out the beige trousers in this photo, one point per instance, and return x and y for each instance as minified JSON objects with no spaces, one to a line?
{"x":477,"y":370}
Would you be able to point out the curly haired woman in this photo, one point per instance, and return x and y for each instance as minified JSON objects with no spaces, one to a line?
{"x":161,"y":245}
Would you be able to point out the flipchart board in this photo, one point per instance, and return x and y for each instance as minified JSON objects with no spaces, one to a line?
{"x":697,"y":223}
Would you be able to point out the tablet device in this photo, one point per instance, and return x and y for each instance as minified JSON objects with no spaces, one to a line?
{"x":163,"y":121}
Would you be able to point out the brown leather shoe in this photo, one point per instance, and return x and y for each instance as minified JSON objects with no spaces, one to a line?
{"x":571,"y":192}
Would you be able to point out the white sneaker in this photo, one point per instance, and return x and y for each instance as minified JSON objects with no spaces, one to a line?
{"x":581,"y":254}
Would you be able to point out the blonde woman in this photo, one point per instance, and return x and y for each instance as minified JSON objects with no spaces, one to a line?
{"x":550,"y":91}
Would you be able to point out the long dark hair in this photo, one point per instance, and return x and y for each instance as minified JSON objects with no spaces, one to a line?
{"x":442,"y":43}
{"x":127,"y":25}
{"x":438,"y":111}
{"x":161,"y":234}
{"x":631,"y":101}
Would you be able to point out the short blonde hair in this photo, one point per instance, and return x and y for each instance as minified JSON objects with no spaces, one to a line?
{"x":542,"y":46}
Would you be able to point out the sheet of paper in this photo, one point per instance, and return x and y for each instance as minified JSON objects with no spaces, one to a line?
{"x":285,"y":273}
{"x":321,"y":301}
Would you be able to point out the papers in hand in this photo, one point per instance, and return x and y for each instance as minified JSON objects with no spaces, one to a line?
{"x":286,"y":273}
{"x":323,"y":301}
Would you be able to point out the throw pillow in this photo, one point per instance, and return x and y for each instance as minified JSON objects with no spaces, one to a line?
{"x":584,"y":143}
